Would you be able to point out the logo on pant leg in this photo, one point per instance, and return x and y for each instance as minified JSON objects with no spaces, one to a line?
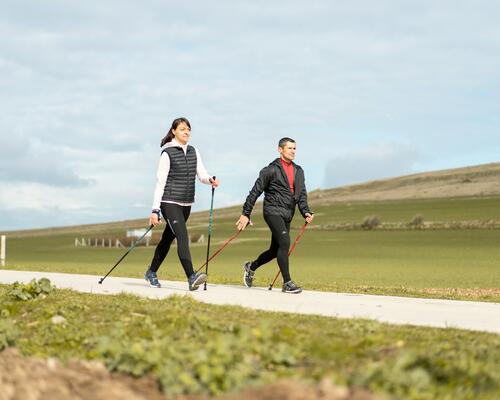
{"x":174,"y":222}
{"x":283,"y":233}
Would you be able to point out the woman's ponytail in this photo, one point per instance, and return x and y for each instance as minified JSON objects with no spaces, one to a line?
{"x":167,"y":138}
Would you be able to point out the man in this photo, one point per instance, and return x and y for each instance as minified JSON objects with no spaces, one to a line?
{"x":283,"y":184}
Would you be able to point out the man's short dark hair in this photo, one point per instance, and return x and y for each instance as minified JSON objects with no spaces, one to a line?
{"x":284,"y":141}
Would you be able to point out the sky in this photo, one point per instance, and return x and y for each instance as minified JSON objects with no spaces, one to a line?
{"x":368,"y":90}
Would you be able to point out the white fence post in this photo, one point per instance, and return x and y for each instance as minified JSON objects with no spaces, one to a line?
{"x":2,"y":251}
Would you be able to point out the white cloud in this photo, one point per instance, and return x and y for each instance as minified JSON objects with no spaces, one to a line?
{"x":376,"y":161}
{"x":88,"y":89}
{"x":31,"y":161}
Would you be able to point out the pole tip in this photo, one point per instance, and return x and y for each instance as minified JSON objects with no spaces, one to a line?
{"x":270,"y":287}
{"x":100,"y":281}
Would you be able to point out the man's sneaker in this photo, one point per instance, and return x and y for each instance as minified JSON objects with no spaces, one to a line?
{"x":291,"y":287}
{"x":248,"y":274}
{"x":196,"y":279}
{"x":152,"y":279}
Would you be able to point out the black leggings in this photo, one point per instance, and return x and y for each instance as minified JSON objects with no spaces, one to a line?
{"x":280,"y":244}
{"x":176,"y":217}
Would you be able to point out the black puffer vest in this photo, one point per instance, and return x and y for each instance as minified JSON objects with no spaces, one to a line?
{"x":181,"y":177}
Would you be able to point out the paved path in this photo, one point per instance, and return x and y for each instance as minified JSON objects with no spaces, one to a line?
{"x":471,"y":315}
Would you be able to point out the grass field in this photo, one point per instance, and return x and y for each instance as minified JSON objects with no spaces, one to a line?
{"x":460,"y":264}
{"x":190,"y":347}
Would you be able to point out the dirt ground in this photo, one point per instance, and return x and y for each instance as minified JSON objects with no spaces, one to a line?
{"x":29,"y":378}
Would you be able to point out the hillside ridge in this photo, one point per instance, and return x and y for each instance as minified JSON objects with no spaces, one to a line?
{"x":471,"y":181}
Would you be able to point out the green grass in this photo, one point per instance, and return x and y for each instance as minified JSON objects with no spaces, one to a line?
{"x":199,"y":348}
{"x":456,"y":264}
{"x":385,"y":262}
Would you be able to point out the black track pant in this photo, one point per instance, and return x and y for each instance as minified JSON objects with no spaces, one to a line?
{"x":176,"y":217}
{"x":280,"y":244}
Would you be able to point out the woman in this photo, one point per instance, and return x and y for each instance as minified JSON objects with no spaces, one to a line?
{"x":179,"y":165}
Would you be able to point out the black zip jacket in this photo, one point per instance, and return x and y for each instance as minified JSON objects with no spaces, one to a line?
{"x":278,"y":198}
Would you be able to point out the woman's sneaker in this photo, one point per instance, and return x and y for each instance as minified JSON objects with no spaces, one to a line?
{"x":196,"y":279}
{"x":248,"y":274}
{"x":152,"y":279}
{"x":291,"y":287}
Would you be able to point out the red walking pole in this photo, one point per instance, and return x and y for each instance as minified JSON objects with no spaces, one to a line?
{"x":290,"y":252}
{"x":220,"y":249}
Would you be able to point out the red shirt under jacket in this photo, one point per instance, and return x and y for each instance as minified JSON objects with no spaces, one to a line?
{"x":289,"y":170}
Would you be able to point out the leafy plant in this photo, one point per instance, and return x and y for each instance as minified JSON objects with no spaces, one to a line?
{"x":31,"y":290}
{"x":213,"y":362}
{"x":8,"y":333}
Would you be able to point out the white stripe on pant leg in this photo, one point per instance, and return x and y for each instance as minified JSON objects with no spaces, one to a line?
{"x":172,"y":229}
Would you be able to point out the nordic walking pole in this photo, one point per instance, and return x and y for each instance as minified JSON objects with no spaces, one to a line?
{"x":128,"y":251}
{"x":290,"y":252}
{"x":220,"y":249}
{"x":209,"y":232}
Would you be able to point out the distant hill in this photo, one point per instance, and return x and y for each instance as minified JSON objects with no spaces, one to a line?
{"x":476,"y":181}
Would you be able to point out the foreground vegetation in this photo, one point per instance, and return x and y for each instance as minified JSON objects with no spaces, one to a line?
{"x":192,"y":347}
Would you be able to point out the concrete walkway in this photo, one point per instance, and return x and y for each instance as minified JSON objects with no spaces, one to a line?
{"x":470,"y":315}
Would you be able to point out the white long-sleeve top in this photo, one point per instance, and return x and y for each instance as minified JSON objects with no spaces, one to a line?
{"x":164,"y":169}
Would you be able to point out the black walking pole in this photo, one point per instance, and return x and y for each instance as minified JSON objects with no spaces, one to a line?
{"x":209,"y":233}
{"x":128,"y":251}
